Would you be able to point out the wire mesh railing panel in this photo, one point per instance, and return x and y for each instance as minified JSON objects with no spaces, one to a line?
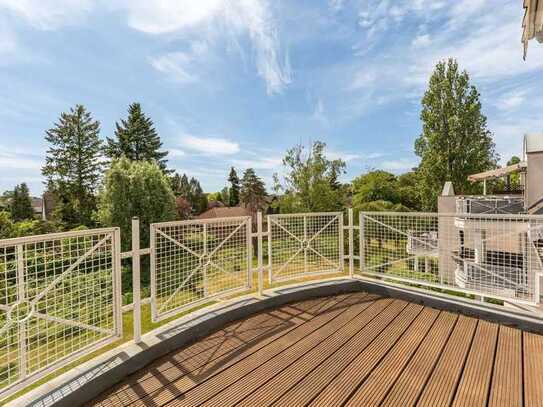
{"x":305,"y":244}
{"x":488,"y":255}
{"x":193,"y":261}
{"x":59,"y":296}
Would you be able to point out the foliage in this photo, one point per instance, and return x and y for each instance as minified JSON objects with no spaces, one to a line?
{"x":234,"y":192}
{"x":21,"y":203}
{"x":6,"y":225}
{"x":180,"y":185}
{"x":375,"y":186}
{"x":73,"y":166}
{"x":183,"y":208}
{"x":197,"y":197}
{"x":381,"y":206}
{"x":253,"y":192}
{"x":311,"y":181}
{"x":225,"y":194}
{"x":136,"y":139}
{"x":455,"y":141}
{"x":135,"y":188}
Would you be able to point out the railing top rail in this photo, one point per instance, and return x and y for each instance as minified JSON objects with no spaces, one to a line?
{"x":55,"y":236}
{"x":200,"y":221}
{"x":292,"y":215}
{"x":458,"y":215}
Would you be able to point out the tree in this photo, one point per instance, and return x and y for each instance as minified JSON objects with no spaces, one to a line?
{"x":180,"y":185}
{"x":6,"y":225}
{"x":136,"y":139}
{"x":73,"y":165}
{"x":234,"y":188}
{"x":375,"y":186}
{"x":135,"y":188}
{"x":21,"y":204}
{"x":455,"y":141}
{"x":225,"y":193}
{"x":197,"y":197}
{"x":253,"y":192}
{"x":311,"y":181}
{"x":183,"y":208}
{"x":408,"y":190}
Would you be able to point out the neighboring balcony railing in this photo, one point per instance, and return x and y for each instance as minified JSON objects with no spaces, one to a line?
{"x":494,"y":205}
{"x":422,"y":244}
{"x":494,"y":278}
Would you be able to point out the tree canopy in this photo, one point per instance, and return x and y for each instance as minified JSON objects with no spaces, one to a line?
{"x":135,"y":188}
{"x":136,"y":139}
{"x":311,"y":181}
{"x":253,"y":191}
{"x":21,"y":203}
{"x":73,"y":165}
{"x":233,"y":193}
{"x":455,"y":141}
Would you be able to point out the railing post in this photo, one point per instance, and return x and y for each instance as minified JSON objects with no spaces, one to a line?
{"x":259,"y":254}
{"x":21,"y":297}
{"x":351,"y":242}
{"x":136,"y":279}
{"x":362,"y":241}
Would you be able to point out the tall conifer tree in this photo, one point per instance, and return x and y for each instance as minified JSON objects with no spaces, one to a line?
{"x":73,"y":165}
{"x":136,"y":139}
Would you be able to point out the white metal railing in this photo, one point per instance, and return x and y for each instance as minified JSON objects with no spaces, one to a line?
{"x":304,"y":244}
{"x":490,"y":205}
{"x":504,"y":261}
{"x":59,"y":299}
{"x":195,"y":261}
{"x":60,"y":294}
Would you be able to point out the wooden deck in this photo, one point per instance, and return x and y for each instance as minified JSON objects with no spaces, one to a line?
{"x":353,"y":349}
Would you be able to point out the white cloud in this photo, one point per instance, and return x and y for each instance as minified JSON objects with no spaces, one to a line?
{"x":511,"y":101}
{"x":216,"y":20}
{"x":210,"y":145}
{"x":175,"y":153}
{"x":183,"y":67}
{"x":48,"y":14}
{"x":421,"y":41}
{"x":8,"y":40}
{"x":16,"y":158}
{"x":398,"y":165}
{"x":272,"y":163}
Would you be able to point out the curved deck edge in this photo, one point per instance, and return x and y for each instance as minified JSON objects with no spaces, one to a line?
{"x":90,"y":379}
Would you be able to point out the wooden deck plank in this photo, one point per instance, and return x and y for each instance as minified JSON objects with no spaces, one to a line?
{"x":474,"y":386}
{"x":307,"y":349}
{"x":176,"y":364}
{"x":290,"y":346}
{"x":410,"y":384}
{"x":339,"y":390}
{"x":379,"y":382}
{"x":533,"y":369}
{"x":441,"y":386}
{"x":506,"y":387}
{"x":311,"y":385}
{"x":352,"y":349}
{"x":243,"y":362}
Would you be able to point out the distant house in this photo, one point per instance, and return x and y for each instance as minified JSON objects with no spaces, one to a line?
{"x":225,"y":212}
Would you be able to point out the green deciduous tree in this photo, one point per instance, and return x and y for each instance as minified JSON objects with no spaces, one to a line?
{"x":136,"y":139}
{"x":21,"y":203}
{"x":253,"y":191}
{"x":73,"y":166}
{"x":311,"y":181}
{"x":455,"y":141}
{"x":135,"y":188}
{"x":233,"y":196}
{"x":375,"y":186}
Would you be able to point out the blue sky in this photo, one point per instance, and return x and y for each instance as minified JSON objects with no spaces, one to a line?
{"x":237,"y":82}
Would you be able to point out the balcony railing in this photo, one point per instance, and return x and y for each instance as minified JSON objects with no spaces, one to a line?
{"x":494,"y":278}
{"x":494,"y":205}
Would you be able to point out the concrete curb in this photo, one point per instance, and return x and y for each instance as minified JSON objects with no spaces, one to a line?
{"x":87,"y":381}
